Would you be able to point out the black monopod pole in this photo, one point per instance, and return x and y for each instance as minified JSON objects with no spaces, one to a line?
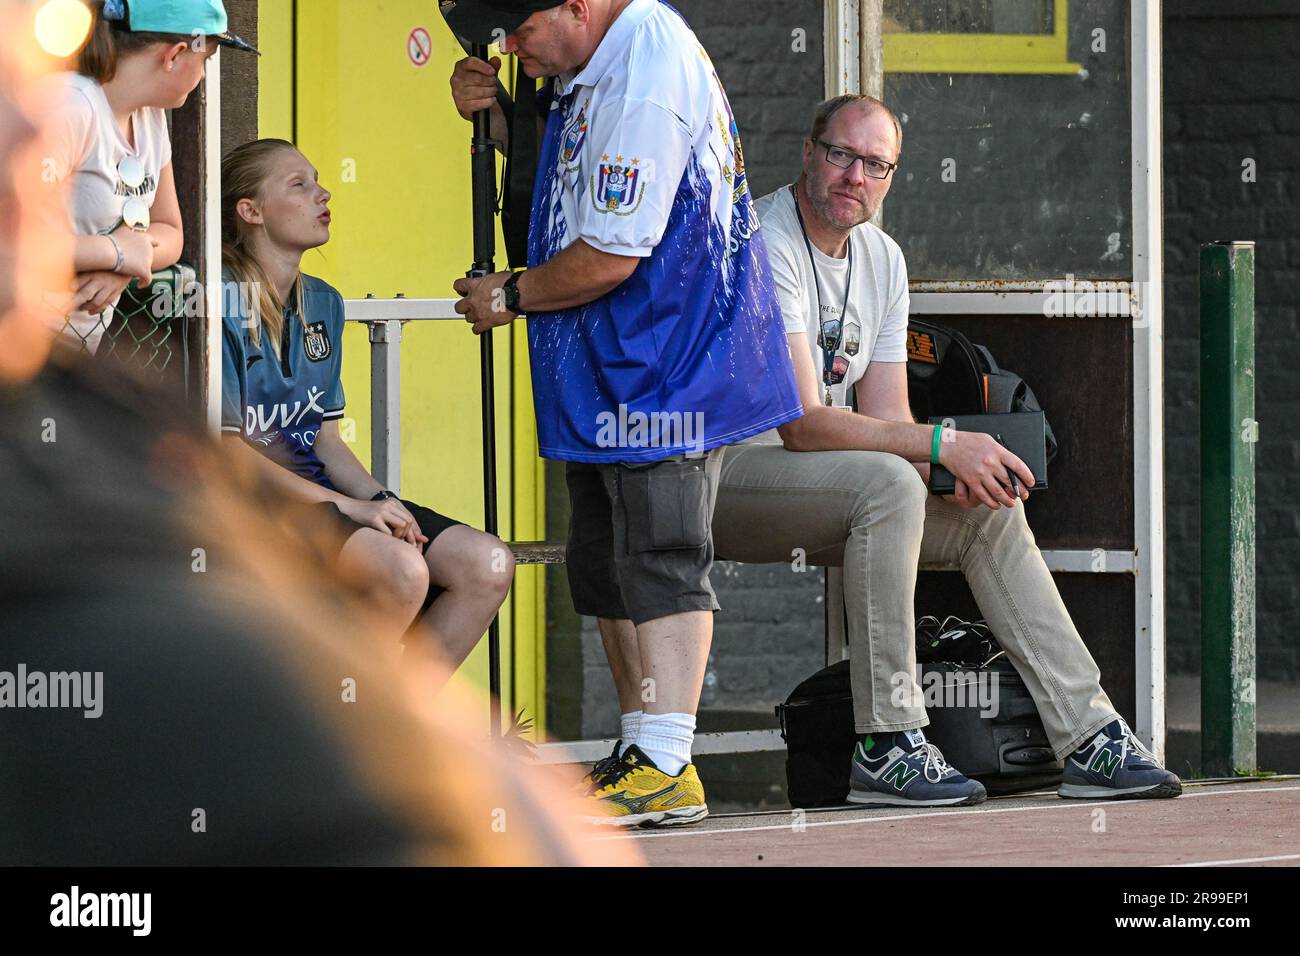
{"x":483,"y":172}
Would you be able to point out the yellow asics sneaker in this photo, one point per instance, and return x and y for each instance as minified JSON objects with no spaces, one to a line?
{"x":639,"y":794}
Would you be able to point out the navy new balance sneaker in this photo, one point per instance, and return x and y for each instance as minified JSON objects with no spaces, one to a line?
{"x":910,"y":773}
{"x":1114,"y":765}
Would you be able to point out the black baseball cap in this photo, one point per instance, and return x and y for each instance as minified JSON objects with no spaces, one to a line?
{"x":482,"y":21}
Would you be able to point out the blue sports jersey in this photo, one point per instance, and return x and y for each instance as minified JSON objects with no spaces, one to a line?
{"x":278,"y":402}
{"x":642,"y":158}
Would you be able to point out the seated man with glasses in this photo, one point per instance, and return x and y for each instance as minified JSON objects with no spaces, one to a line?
{"x":845,"y":488}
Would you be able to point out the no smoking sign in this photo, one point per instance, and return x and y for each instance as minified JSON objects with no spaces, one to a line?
{"x":418,"y":46}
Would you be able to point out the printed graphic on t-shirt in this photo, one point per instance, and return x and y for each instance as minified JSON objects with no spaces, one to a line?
{"x":744,"y":218}
{"x":852,"y":338}
{"x":614,"y":189}
{"x":261,"y":419}
{"x":146,"y":188}
{"x":575,"y":134}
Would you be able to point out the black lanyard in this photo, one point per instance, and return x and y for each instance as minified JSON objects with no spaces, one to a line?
{"x":828,"y":341}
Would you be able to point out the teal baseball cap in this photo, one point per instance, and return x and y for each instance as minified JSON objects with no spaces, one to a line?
{"x":186,"y":17}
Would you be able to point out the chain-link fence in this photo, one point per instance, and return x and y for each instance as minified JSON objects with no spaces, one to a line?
{"x":149,"y":331}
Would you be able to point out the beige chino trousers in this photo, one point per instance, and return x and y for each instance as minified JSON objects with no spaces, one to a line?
{"x":871,"y":514}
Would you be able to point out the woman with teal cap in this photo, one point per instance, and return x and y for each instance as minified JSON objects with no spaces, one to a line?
{"x":111,"y":145}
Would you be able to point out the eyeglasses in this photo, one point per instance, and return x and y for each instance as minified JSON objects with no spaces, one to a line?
{"x":844,"y":159}
{"x":135,"y":212}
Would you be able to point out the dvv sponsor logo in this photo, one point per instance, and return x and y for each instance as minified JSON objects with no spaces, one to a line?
{"x":259,"y":419}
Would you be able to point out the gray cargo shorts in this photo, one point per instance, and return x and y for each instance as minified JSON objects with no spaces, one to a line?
{"x":641,"y":538}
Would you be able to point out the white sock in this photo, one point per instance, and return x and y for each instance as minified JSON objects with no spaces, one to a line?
{"x":666,"y":739}
{"x":631,"y":722}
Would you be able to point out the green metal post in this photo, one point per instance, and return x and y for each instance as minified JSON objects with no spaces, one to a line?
{"x":1229,"y":434}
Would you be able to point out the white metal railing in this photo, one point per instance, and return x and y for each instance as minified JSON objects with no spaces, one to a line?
{"x":386,"y":318}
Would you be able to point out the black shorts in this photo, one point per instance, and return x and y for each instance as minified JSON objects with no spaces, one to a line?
{"x":431,"y":524}
{"x":641,"y":538}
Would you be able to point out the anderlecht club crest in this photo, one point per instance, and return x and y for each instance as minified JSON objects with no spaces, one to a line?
{"x":615,"y":188}
{"x":317,"y":342}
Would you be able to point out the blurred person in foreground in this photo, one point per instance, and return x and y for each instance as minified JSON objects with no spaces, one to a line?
{"x":243,"y":717}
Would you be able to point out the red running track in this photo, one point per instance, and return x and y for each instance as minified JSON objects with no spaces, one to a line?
{"x":1250,"y":823}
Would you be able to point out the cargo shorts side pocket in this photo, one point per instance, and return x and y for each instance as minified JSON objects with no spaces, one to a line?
{"x":667,"y":505}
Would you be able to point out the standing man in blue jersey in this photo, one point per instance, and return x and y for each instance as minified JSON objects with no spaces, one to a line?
{"x":656,"y":340}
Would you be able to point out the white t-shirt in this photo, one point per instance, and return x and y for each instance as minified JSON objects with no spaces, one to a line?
{"x":86,"y":147}
{"x":875,"y":316}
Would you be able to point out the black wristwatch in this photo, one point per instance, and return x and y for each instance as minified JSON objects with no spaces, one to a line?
{"x":510,"y":293}
{"x":385,"y":494}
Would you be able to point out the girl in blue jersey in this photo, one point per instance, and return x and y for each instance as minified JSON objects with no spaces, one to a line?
{"x":282,"y":397}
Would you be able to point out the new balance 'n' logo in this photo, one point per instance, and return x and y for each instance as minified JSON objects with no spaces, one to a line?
{"x":1105,"y":763}
{"x":900,"y":776}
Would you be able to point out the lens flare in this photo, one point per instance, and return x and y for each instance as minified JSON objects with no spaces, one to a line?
{"x":62,"y":26}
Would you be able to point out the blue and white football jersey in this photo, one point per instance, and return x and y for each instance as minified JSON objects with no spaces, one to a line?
{"x":642,"y":158}
{"x":279,"y":402}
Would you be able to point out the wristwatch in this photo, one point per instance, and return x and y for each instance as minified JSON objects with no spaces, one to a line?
{"x":510,"y":293}
{"x":385,"y":494}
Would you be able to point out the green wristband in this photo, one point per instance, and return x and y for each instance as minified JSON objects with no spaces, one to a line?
{"x":934,"y":445}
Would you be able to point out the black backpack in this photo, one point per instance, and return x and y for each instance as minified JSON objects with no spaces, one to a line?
{"x":947,"y":374}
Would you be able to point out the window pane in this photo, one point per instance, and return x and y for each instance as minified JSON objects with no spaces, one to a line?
{"x":968,"y":16}
{"x":1019,"y":176}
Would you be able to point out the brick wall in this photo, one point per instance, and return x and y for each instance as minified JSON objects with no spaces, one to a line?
{"x":769,"y":56}
{"x":1232,"y":91}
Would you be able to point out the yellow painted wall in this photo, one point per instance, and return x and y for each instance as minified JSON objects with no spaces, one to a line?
{"x":387,"y":142}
